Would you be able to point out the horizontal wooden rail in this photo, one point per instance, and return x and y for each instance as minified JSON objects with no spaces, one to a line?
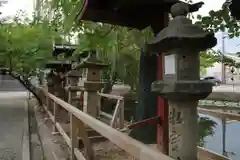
{"x":111,"y":96}
{"x":59,"y":128}
{"x":202,"y":154}
{"x":223,"y":107}
{"x":133,"y":147}
{"x":75,"y":88}
{"x":79,"y":155}
{"x":64,"y":134}
{"x":220,"y":114}
{"x":109,"y":116}
{"x":118,"y":111}
{"x":205,"y":154}
{"x":224,"y":96}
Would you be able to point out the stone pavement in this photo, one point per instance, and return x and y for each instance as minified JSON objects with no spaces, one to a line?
{"x":12,"y":114}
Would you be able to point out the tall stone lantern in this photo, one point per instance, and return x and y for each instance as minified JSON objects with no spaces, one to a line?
{"x":181,"y":43}
{"x":93,"y":82}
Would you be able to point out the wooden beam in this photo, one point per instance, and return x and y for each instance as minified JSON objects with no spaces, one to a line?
{"x":106,"y":115}
{"x":204,"y":154}
{"x":75,"y":88}
{"x":78,"y":154}
{"x":110,"y":96}
{"x":64,"y":134}
{"x":115,"y":115}
{"x":225,"y":107}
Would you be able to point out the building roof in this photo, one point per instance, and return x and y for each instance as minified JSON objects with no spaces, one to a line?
{"x":66,"y":49}
{"x":138,"y":14}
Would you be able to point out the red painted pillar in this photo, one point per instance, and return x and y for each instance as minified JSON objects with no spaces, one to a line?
{"x":162,"y":130}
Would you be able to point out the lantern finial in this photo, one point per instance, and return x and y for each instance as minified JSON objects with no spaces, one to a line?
{"x":179,"y":9}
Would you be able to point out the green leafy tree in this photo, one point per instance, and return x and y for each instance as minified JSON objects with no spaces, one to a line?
{"x":205,"y":128}
{"x":25,"y":47}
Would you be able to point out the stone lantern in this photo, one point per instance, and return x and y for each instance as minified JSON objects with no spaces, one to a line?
{"x":55,"y":79}
{"x":50,"y":81}
{"x":180,"y":44}
{"x":93,"y":82}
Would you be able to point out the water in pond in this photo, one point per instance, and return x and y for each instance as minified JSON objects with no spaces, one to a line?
{"x":214,"y":142}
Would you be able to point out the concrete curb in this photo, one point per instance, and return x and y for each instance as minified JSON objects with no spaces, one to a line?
{"x":26,"y":135}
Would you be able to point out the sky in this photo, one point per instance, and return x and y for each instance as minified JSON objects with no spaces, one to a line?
{"x":230,"y":44}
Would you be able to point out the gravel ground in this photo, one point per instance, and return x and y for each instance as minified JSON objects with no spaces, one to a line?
{"x":11,"y":126}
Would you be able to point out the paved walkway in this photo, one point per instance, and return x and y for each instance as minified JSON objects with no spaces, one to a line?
{"x":12,"y":115}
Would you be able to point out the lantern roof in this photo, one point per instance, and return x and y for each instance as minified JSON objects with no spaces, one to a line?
{"x":181,"y":33}
{"x":92,"y":61}
{"x":66,"y":49}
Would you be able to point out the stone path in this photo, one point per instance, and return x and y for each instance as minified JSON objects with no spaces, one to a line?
{"x":12,"y":115}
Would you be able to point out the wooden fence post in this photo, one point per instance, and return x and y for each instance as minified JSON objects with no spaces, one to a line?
{"x":115,"y":114}
{"x":69,"y":97}
{"x":86,"y":142}
{"x":121,"y":118}
{"x":73,"y":135}
{"x":78,"y":129}
{"x":47,"y":101}
{"x":55,"y":112}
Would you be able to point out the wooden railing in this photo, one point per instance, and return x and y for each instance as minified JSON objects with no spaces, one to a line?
{"x":117,"y":119}
{"x":78,"y":123}
{"x":205,"y":154}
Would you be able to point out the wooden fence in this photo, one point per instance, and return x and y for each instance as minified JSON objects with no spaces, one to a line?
{"x":117,"y":119}
{"x":79,"y":120}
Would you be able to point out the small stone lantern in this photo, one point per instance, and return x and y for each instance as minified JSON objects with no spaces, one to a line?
{"x":72,"y":79}
{"x":50,"y":81}
{"x":93,"y":82}
{"x":55,"y":78}
{"x":180,"y":44}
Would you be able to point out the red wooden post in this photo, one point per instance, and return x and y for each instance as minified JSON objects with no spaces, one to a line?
{"x":162,"y":130}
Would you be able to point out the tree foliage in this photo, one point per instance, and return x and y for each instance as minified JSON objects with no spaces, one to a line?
{"x":206,"y":128}
{"x":24,"y":47}
{"x":220,"y":20}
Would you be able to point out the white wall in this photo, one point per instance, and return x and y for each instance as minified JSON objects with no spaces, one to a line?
{"x":216,"y":71}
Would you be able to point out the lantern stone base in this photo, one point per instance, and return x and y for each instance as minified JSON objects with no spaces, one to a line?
{"x":182,"y":90}
{"x":93,"y":86}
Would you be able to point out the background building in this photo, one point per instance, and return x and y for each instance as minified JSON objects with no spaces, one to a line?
{"x":216,"y":71}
